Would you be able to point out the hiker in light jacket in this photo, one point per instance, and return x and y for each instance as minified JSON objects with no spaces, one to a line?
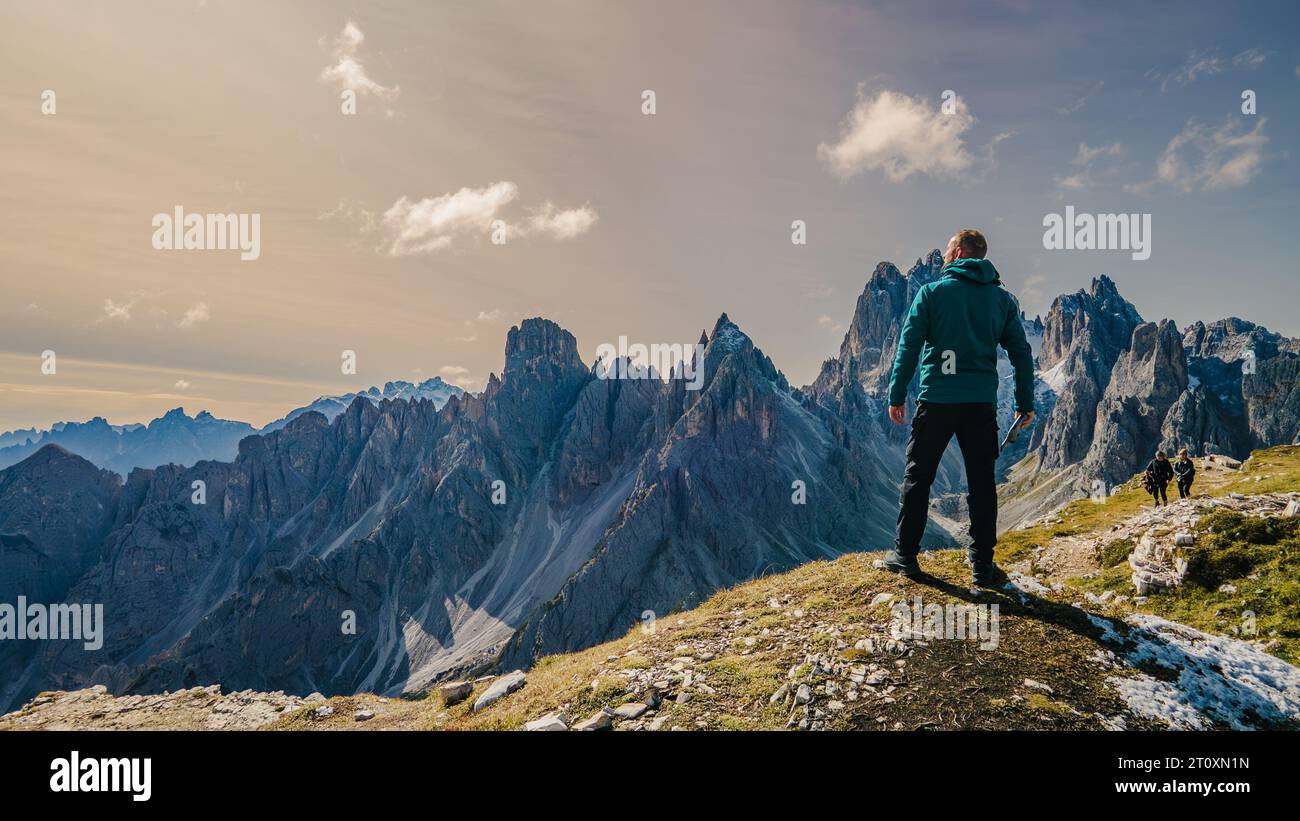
{"x":1161,"y":473}
{"x":953,"y":330}
{"x":1184,"y":472}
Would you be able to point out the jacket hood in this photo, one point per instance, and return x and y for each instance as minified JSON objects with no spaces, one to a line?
{"x":976,"y":270}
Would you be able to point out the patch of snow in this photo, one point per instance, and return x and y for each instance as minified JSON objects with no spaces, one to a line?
{"x":1158,"y":700}
{"x":1217,"y":678}
{"x":1055,"y":377}
{"x":729,"y":337}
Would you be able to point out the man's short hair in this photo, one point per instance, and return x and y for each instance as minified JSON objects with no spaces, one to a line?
{"x":972,"y":243}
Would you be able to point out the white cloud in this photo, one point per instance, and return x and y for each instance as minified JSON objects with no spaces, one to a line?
{"x":117,"y":311}
{"x":559,"y":224}
{"x":1212,"y":158}
{"x":436,"y":223}
{"x":901,"y":136}
{"x":347,"y":71}
{"x":182,"y":384}
{"x":431,"y":224}
{"x":489,"y":316}
{"x":194,"y":315}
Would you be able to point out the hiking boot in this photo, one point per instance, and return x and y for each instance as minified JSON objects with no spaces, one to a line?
{"x":896,"y":562}
{"x":987,"y":574}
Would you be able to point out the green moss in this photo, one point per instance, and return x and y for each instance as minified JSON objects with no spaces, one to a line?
{"x":1039,"y":701}
{"x":1116,"y":552}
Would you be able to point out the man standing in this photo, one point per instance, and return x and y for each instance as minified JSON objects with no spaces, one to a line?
{"x":954,"y":328}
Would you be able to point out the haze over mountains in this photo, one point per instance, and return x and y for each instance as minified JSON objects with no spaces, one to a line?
{"x":555,"y":509}
{"x":176,"y":438}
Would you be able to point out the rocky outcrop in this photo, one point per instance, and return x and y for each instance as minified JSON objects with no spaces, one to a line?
{"x":1272,"y":399}
{"x":198,"y":708}
{"x":1146,"y":382}
{"x":1203,"y":422}
{"x":1084,"y":335}
{"x":746,"y":480}
{"x":867,"y":352}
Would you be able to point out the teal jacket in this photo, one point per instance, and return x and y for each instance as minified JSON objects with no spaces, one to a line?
{"x":954,"y":328}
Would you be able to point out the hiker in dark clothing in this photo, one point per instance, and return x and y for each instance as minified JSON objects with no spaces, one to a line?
{"x":1161,"y":472}
{"x":953,"y":330}
{"x":1184,"y":472}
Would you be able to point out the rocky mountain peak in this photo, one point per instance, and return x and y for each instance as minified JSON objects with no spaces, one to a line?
{"x":55,"y":456}
{"x":537,"y":347}
{"x":1099,"y":313}
{"x":727,"y":336}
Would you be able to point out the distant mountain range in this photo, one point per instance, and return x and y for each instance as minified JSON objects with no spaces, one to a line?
{"x":178,"y":439}
{"x":554,"y":509}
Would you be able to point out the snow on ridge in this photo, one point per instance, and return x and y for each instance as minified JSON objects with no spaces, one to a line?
{"x":1217,"y":678}
{"x":1055,"y":377}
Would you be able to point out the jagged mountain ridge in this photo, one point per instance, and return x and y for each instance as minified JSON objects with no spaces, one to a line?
{"x":173,"y":437}
{"x":619,"y":496}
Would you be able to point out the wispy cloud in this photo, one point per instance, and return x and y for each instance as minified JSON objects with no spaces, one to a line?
{"x":1084,"y":160}
{"x":1204,"y":158}
{"x":830,"y":324}
{"x":348,"y":72}
{"x":1082,"y":100}
{"x":194,"y":315}
{"x":118,"y":311}
{"x":489,"y":316}
{"x":181,"y":385}
{"x":901,"y":136}
{"x":1206,"y":64}
{"x":1032,"y":291}
{"x":560,"y":223}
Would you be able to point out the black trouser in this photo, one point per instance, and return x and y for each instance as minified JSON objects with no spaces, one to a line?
{"x":976,"y":427}
{"x":1184,"y":488}
{"x":1159,"y":493}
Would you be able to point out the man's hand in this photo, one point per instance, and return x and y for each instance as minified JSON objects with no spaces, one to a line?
{"x":1028,"y":418}
{"x":897,"y":413}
